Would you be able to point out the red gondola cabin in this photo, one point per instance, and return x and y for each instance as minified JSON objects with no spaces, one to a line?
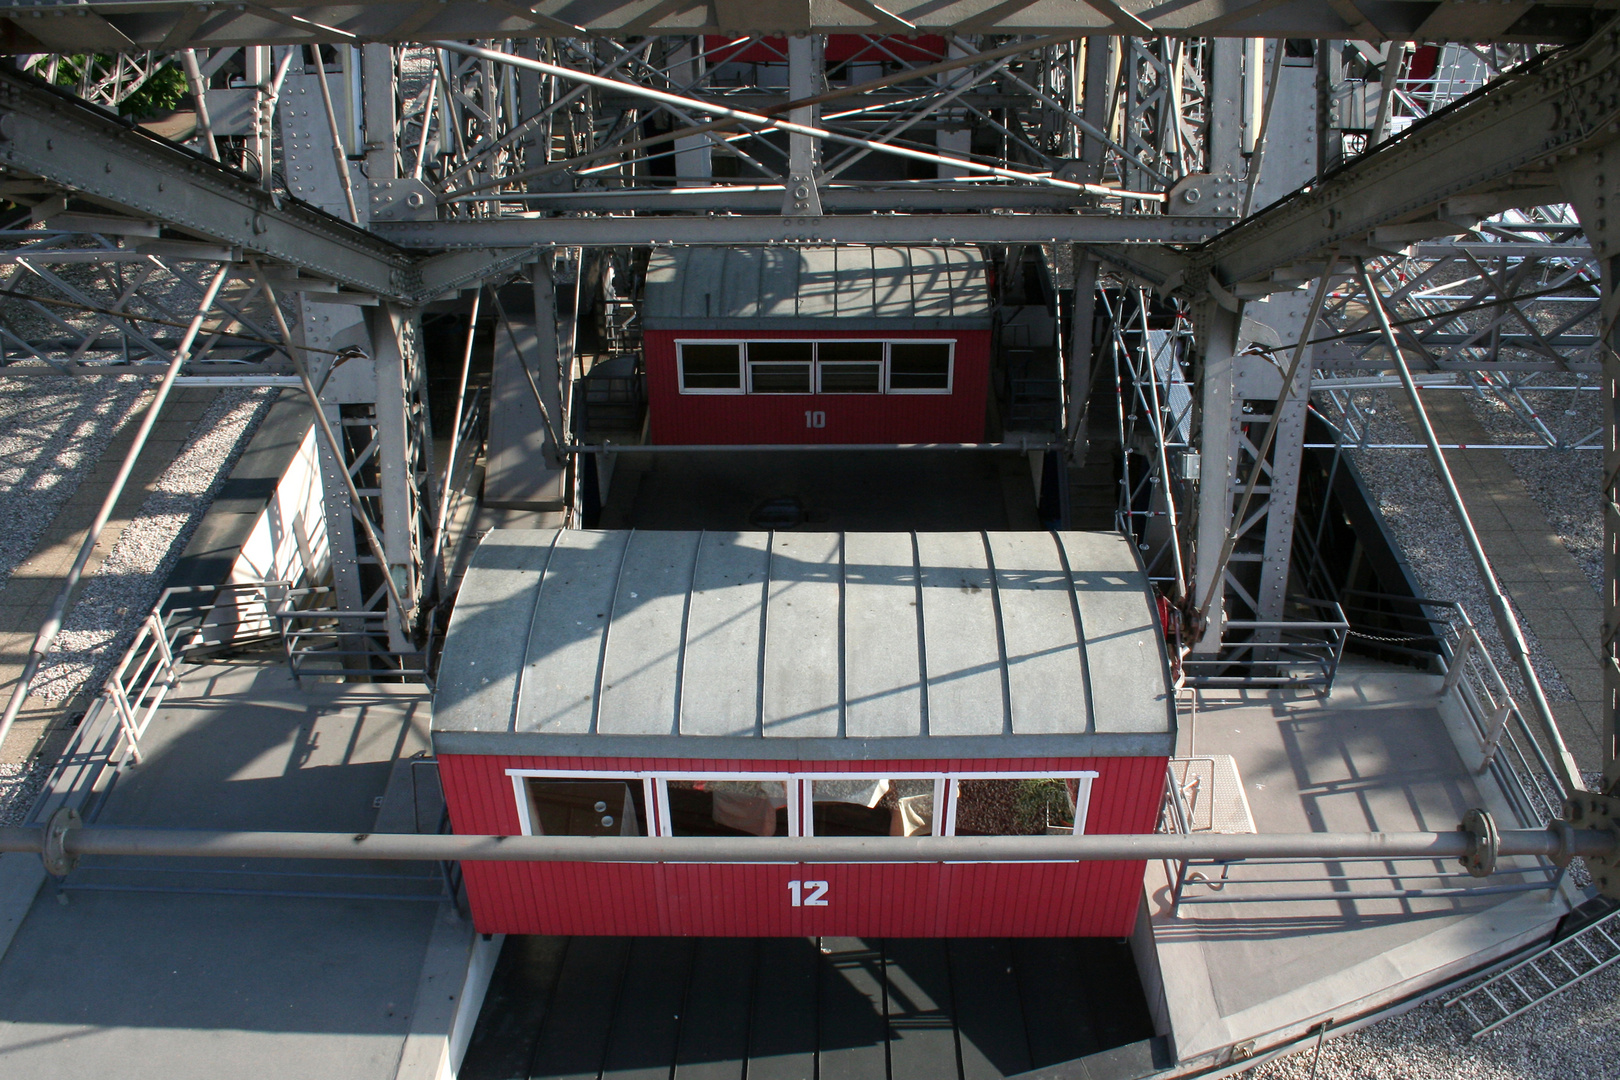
{"x":802,"y":684}
{"x":863,"y":345}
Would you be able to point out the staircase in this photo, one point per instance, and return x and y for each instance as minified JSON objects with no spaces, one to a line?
{"x":1544,"y":974}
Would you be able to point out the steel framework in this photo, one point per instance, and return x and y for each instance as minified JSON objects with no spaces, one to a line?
{"x":1201,"y":181}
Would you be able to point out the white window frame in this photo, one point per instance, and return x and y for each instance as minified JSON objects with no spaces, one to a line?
{"x":882,"y":363}
{"x":1082,"y":800}
{"x":800,"y":793}
{"x":950,"y":365}
{"x":748,"y":367}
{"x":742,"y":365}
{"x":745,"y":382}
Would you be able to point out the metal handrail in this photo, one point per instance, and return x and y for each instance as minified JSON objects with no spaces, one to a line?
{"x":180,"y":628}
{"x":1285,"y":652}
{"x":315,"y":637}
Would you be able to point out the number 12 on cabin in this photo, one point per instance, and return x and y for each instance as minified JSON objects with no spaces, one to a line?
{"x":808,"y":893}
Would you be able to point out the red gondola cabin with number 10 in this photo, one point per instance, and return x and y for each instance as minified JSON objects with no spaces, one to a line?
{"x":847,"y":345}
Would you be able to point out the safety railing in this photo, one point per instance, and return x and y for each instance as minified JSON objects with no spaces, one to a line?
{"x":188,"y":624}
{"x":1299,"y":880}
{"x":323,"y":641}
{"x":1277,"y":652}
{"x":1508,"y":749}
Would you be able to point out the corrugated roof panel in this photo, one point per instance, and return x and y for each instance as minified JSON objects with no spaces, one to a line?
{"x":488,"y":608}
{"x":1045,"y":671}
{"x":777,"y":290}
{"x":720,"y":680}
{"x":664,"y":290}
{"x":558,"y":692}
{"x":641,"y":666}
{"x":931,"y":282}
{"x":819,"y":283}
{"x":801,"y":637}
{"x":970,"y":292}
{"x":725,"y":284}
{"x":855,"y":300}
{"x":1122,"y":650}
{"x":560,"y":637}
{"x":891,"y":284}
{"x":882,"y":677}
{"x":963,"y":652}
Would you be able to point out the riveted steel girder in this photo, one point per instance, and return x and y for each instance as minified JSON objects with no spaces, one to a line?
{"x":1511,"y":134}
{"x":93,"y":155}
{"x":54,"y":26}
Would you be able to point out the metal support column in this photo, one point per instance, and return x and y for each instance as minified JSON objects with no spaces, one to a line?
{"x":1592,"y":183}
{"x":397,"y":367}
{"x":801,"y":199}
{"x":1217,"y":334}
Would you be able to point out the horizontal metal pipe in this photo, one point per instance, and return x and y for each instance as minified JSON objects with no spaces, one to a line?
{"x":108,"y":840}
{"x":1022,"y":446}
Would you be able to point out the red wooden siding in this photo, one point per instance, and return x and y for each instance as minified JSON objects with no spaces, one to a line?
{"x":676,"y":419}
{"x":1096,"y":899}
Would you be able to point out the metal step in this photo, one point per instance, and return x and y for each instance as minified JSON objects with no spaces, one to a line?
{"x":1544,"y":974}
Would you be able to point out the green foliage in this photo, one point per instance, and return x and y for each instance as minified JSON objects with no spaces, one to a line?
{"x":161,"y":93}
{"x":1039,"y":803}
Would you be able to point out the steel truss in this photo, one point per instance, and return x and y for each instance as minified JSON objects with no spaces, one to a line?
{"x":361,"y":183}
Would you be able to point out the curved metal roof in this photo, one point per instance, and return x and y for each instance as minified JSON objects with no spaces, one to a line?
{"x":782,"y":288}
{"x":803,"y":645}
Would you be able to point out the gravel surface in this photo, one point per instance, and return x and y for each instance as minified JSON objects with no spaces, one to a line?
{"x":52,"y":430}
{"x":1576,"y":1035}
{"x":1566,"y":484}
{"x":19,"y":787}
{"x":114,"y":601}
{"x":1412,"y":501}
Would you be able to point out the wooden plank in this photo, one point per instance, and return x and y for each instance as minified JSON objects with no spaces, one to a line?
{"x":515,"y":1006}
{"x":782,"y":1042}
{"x":853,"y":1033}
{"x":922,"y":1035}
{"x":989,"y":1018}
{"x":714,"y":1019}
{"x":573,"y":1039}
{"x":1057,"y":1006}
{"x":647,"y":1024}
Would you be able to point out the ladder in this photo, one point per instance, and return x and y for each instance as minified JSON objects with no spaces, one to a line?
{"x":1547,"y":972}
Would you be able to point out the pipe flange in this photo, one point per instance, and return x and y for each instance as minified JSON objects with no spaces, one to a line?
{"x":58,"y":861}
{"x":1564,"y":833}
{"x":1481,"y":858}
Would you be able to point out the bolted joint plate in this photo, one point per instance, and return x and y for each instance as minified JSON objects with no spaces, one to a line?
{"x":1589,"y":810}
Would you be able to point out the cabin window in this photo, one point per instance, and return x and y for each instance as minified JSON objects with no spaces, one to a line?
{"x":1028,"y":805}
{"x":850,"y":367}
{"x":725,"y":807}
{"x":872,"y":806}
{"x":919,"y":367}
{"x":780,"y":367}
{"x":711,"y":367}
{"x":824,"y":367}
{"x":585,"y":807}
